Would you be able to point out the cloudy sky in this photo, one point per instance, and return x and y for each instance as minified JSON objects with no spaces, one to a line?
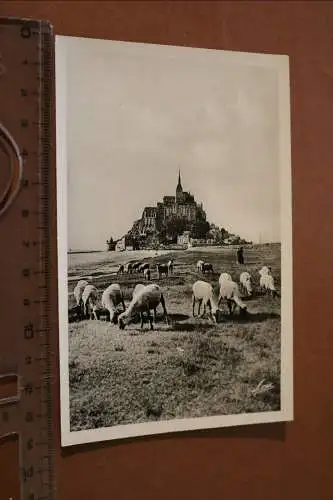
{"x":137,"y":115}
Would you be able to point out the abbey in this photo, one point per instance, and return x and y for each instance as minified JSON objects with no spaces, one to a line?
{"x":181,"y":206}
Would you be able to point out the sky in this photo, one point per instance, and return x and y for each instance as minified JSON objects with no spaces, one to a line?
{"x":135,"y":116}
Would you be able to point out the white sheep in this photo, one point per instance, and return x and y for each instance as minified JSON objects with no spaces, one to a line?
{"x":144,"y":300}
{"x":170,"y":266}
{"x":90,"y":299}
{"x":264,"y":270}
{"x":137,"y":288}
{"x":229,"y":291}
{"x":202,"y":292}
{"x":223,"y":277}
{"x":199,"y":265}
{"x":111,"y":298}
{"x":267,"y":284}
{"x":78,"y":290}
{"x":246,"y":282}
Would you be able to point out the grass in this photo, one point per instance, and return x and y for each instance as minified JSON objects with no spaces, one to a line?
{"x":189,"y":368}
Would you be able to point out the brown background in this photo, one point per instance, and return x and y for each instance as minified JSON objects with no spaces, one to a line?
{"x":277,"y":461}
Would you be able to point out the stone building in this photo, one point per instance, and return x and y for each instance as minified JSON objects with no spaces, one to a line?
{"x":182,"y":206}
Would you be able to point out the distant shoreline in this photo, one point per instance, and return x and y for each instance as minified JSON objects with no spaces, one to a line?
{"x":71,"y":252}
{"x":172,"y":248}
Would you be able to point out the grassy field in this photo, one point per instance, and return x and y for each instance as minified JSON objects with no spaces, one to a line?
{"x":190,"y":368}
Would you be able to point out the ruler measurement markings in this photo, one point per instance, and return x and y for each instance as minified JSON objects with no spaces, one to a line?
{"x":27,"y":210}
{"x":36,"y":298}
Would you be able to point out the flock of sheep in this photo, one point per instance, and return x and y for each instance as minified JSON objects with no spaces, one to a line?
{"x":146,"y":298}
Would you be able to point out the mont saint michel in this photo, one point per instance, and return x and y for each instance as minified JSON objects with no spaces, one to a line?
{"x":177,"y":219}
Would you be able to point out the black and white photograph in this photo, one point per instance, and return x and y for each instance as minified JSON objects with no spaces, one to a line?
{"x":174,"y":229}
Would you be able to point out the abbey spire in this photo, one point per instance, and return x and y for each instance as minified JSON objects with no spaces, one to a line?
{"x":179,"y":189}
{"x":179,"y":181}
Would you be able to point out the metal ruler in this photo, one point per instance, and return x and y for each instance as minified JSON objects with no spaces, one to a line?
{"x":26,"y":236}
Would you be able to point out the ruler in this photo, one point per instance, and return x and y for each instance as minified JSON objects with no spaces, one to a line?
{"x":26,"y":215}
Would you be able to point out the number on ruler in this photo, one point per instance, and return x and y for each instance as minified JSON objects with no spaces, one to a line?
{"x":29,"y":329}
{"x":28,"y":473}
{"x":28,"y":389}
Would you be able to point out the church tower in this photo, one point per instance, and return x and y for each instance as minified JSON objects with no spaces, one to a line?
{"x":179,"y":190}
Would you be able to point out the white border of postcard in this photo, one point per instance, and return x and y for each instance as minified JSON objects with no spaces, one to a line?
{"x":281,"y":64}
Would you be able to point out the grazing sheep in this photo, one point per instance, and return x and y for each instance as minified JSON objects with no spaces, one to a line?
{"x":229,"y":291}
{"x":78,"y":290}
{"x":143,"y":266}
{"x":144,"y":300}
{"x":265,"y":270}
{"x":245,"y":282}
{"x":206,"y":266}
{"x":146,"y":274}
{"x":129,"y":268}
{"x":120,"y":269}
{"x":202,"y":292}
{"x":162,"y":269}
{"x":224,"y":277}
{"x":90,"y":299}
{"x":199,"y":265}
{"x":136,"y":266}
{"x":267,"y":285}
{"x":111,"y":298}
{"x":137,"y":288}
{"x":170,"y":266}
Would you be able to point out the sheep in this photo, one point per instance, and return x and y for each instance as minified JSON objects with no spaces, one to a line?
{"x":245,"y":282}
{"x":170,"y":266}
{"x":162,"y":269}
{"x":265,"y":270}
{"x":146,"y":273}
{"x":144,"y":300}
{"x":137,"y":288}
{"x":129,"y":268}
{"x":206,"y":266}
{"x":89,"y":299}
{"x":202,"y":292}
{"x":78,"y":290}
{"x":136,"y":266}
{"x":199,"y":265}
{"x":267,"y":285}
{"x":143,"y":266}
{"x":111,"y":298}
{"x":223,"y":277}
{"x":229,"y":291}
{"x":120,"y":269}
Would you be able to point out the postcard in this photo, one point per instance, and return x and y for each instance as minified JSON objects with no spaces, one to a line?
{"x":174,"y":222}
